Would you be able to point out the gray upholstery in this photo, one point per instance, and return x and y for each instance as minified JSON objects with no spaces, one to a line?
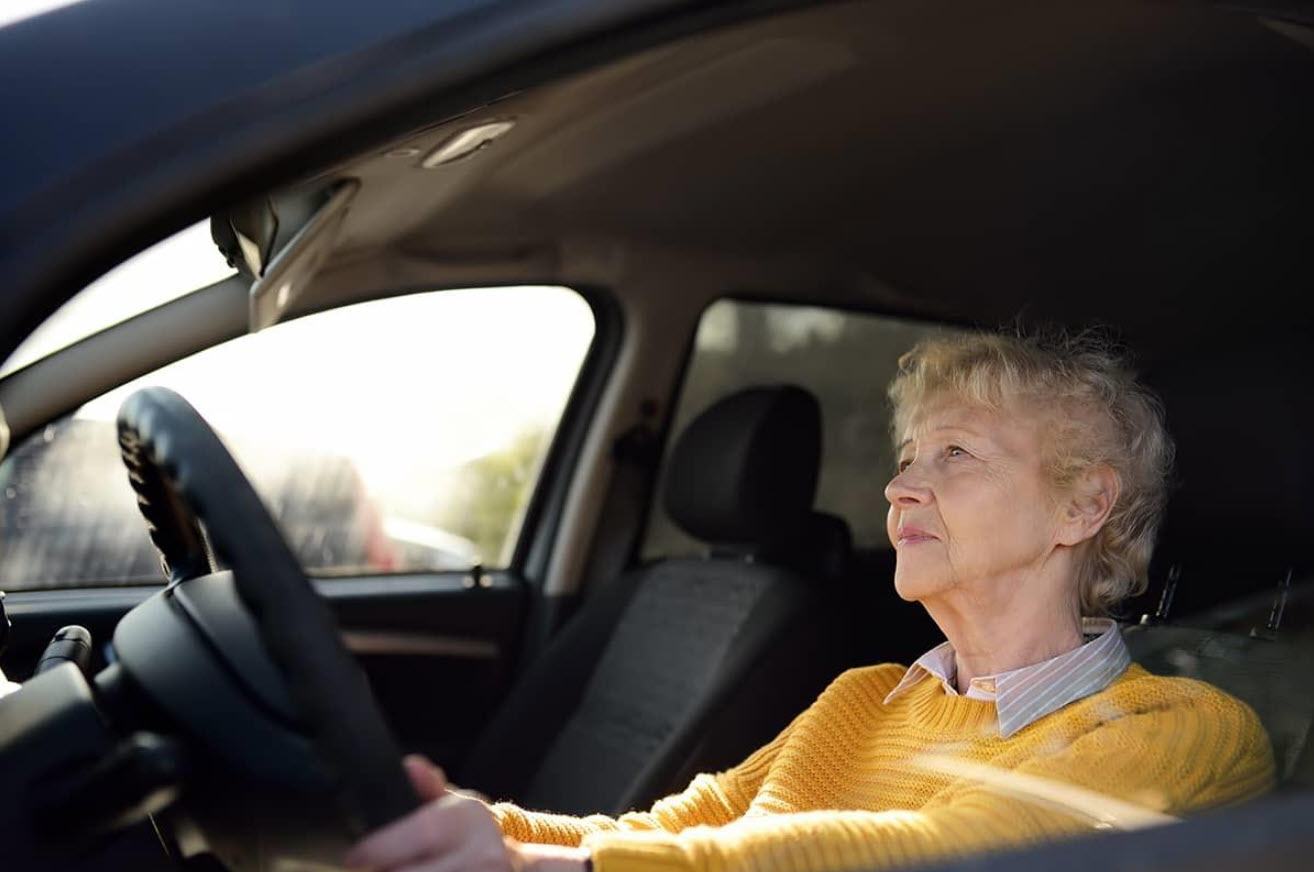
{"x":645,"y":686}
{"x":745,"y":470}
{"x":1243,"y":442}
{"x":687,"y":664}
{"x":1271,"y":675}
{"x":1237,"y":524}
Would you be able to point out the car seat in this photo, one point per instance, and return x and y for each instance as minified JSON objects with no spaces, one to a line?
{"x":690,"y":663}
{"x":1234,"y":549}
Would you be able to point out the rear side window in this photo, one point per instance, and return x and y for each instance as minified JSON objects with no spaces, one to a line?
{"x":845,"y":358}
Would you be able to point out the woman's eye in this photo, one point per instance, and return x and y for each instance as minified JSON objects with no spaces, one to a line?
{"x":955,"y":451}
{"x":904,"y":464}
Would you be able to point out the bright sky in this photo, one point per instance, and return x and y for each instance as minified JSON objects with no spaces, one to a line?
{"x":405,"y":385}
{"x":175,"y":267}
{"x":16,"y":10}
{"x":446,"y":377}
{"x":426,"y":381}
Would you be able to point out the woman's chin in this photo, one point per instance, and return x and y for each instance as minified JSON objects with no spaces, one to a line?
{"x":916,"y":586}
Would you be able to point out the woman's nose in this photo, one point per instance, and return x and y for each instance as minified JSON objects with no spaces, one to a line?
{"x":906,"y":489}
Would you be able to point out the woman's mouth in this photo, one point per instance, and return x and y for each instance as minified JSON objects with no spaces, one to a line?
{"x":912,"y":536}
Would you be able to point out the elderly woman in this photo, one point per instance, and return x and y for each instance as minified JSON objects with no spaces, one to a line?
{"x":1031,"y":478}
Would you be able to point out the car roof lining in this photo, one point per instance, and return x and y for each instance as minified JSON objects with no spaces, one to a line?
{"x":1119,"y":162}
{"x":1143,"y":165}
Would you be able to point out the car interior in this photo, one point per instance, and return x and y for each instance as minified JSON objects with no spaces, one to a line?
{"x":693,"y":563}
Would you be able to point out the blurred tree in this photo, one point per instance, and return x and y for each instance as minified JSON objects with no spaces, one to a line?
{"x":484,"y":497}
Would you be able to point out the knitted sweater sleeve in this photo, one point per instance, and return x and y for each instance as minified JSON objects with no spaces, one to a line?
{"x":709,"y":801}
{"x":1185,"y":757}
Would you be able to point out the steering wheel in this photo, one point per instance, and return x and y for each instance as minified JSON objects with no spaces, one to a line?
{"x":190,"y":489}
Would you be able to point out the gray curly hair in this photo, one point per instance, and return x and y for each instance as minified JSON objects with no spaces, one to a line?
{"x":1097,"y":413}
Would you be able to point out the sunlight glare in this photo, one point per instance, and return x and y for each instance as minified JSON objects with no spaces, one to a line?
{"x":14,"y":11}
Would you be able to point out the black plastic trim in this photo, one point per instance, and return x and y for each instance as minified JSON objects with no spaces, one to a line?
{"x":542,"y":519}
{"x":1271,"y":834}
{"x":123,"y":598}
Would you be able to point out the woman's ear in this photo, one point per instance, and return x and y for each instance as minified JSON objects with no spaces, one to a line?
{"x":1087,"y":508}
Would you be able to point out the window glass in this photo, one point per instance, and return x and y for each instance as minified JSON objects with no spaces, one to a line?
{"x":14,"y":11}
{"x":175,"y":267}
{"x":845,"y":358}
{"x":397,"y":435}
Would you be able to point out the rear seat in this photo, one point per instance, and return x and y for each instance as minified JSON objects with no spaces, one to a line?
{"x":1238,"y":523}
{"x":1272,"y":675}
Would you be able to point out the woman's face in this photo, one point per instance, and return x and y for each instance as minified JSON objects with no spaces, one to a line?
{"x":970,"y":508}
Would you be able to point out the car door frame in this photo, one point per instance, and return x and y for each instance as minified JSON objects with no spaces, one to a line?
{"x":450,"y":634}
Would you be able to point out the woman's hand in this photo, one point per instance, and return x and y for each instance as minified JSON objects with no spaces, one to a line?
{"x":453,"y":832}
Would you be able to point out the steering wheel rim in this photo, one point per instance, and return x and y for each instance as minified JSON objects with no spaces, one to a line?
{"x":185,"y":479}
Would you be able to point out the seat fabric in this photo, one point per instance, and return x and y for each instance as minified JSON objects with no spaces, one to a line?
{"x":1270,"y":675}
{"x":687,"y":664}
{"x":1237,"y":525}
{"x":645,"y":689}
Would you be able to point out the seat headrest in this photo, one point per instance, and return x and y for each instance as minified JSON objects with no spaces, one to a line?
{"x":1237,"y":517}
{"x":822,"y":550}
{"x":744,"y":472}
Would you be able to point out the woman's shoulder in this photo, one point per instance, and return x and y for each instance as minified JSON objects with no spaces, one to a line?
{"x":877,"y":680}
{"x":858,"y":692}
{"x":1186,"y":713}
{"x":1139,"y":690}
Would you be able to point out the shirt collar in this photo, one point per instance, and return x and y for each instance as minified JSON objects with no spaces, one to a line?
{"x":1024,"y":696}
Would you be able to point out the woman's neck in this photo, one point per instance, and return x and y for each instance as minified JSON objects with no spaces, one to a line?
{"x":988,"y":641}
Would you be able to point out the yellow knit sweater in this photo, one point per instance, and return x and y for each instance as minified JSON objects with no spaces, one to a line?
{"x":840,"y":789}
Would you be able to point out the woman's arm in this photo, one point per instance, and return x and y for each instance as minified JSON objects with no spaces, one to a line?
{"x":705,"y":802}
{"x":455,"y":831}
{"x":1177,"y":759}
{"x":709,"y":800}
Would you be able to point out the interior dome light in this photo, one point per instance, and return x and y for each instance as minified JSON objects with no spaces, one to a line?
{"x":466,"y":143}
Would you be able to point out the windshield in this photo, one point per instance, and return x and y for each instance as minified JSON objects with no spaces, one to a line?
{"x":173,"y":268}
{"x":14,"y":11}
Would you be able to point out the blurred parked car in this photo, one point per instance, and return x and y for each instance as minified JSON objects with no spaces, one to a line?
{"x":67,"y":519}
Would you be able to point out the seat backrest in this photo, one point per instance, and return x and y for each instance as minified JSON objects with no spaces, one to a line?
{"x":1272,"y":676}
{"x":1237,"y":527}
{"x":1238,"y":518}
{"x":686,"y":663}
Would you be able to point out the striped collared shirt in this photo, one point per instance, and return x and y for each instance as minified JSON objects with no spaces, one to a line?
{"x":1023,"y":696}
